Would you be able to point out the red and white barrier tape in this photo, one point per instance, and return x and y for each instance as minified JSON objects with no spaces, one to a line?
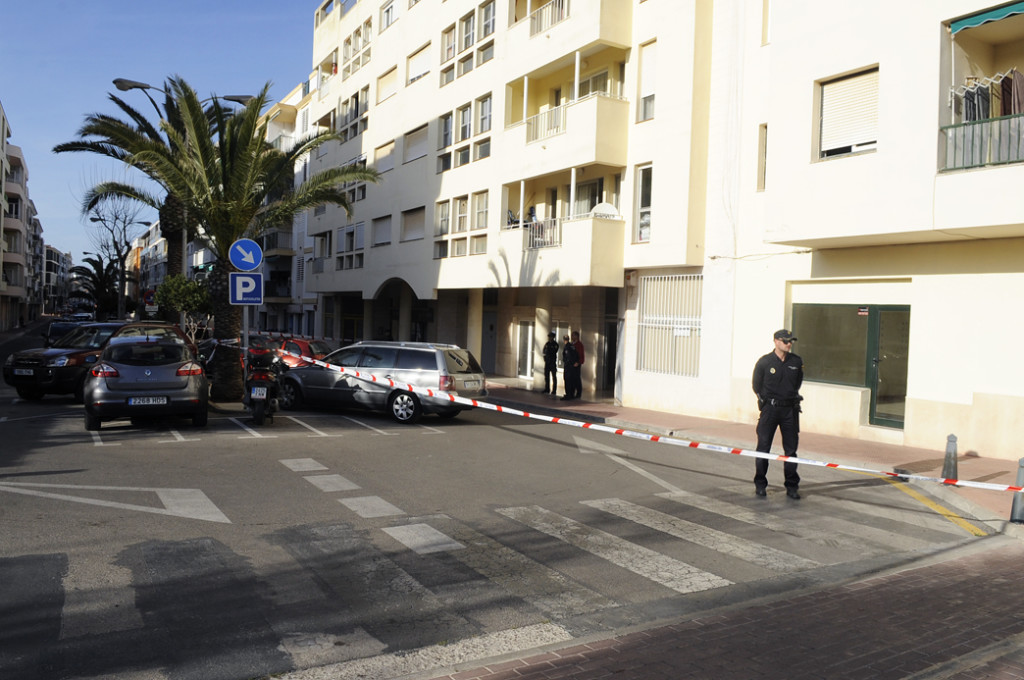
{"x":658,"y":439}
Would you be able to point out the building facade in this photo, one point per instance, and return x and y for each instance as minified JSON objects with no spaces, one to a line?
{"x":55,"y":281}
{"x":676,"y":181}
{"x":23,"y":249}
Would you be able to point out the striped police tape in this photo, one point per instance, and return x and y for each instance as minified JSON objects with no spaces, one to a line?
{"x":658,"y":439}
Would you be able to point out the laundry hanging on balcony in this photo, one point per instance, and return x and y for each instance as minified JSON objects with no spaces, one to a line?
{"x":992,"y":96}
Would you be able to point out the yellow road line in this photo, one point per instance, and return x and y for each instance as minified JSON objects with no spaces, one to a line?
{"x":924,"y":500}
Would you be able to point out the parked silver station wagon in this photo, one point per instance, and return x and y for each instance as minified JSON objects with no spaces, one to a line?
{"x":420,"y":364}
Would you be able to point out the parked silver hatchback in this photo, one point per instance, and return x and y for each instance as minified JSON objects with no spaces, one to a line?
{"x":421,"y":364}
{"x":145,"y":376}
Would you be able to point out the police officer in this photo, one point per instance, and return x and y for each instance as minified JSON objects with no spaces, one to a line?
{"x":550,"y":352}
{"x":776,"y":382}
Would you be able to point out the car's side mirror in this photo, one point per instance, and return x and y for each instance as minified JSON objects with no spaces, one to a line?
{"x":91,"y":359}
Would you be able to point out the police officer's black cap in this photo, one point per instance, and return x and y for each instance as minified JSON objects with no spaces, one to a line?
{"x":785,"y":335}
{"x":551,"y":334}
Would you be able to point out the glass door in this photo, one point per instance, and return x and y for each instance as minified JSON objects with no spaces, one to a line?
{"x":888,"y":353}
{"x":525,"y":356}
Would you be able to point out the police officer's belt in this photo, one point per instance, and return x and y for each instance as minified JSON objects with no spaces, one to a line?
{"x":783,"y":402}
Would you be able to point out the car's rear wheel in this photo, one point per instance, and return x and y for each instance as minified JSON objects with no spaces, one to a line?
{"x":92,"y":422}
{"x":404,"y":407}
{"x":289,"y":395}
{"x":30,"y":393}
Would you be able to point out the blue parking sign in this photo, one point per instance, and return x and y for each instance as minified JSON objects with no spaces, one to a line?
{"x":245,"y":289}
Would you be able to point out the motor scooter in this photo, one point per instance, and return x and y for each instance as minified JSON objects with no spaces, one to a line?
{"x":260,"y":396}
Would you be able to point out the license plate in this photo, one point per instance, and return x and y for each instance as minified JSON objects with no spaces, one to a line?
{"x":147,"y":401}
{"x":23,"y":371}
{"x":258,"y":393}
{"x":472,"y":384}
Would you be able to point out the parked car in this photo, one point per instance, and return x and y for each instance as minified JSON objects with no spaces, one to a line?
{"x":55,"y":330}
{"x":314,"y":349}
{"x":420,"y":364}
{"x":61,"y":369}
{"x":143,"y":376}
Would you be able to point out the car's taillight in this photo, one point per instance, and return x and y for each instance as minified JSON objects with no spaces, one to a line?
{"x":446,"y":383}
{"x":191,"y":368}
{"x":104,"y":371}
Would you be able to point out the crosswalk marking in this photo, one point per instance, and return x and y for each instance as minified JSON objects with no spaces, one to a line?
{"x":423,"y":539}
{"x":302,"y":465}
{"x":723,"y":542}
{"x":371,"y":506}
{"x":669,"y":572}
{"x":330,"y":483}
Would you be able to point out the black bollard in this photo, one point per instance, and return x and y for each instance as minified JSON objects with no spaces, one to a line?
{"x":1017,"y":509}
{"x":949,"y":465}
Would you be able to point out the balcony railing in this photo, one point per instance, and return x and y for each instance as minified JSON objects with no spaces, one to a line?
{"x":549,"y":15}
{"x":546,"y":124}
{"x":994,"y":141}
{"x":542,"y":234}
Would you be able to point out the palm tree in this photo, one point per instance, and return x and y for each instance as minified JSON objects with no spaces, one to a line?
{"x":99,"y":282}
{"x":218,"y":163}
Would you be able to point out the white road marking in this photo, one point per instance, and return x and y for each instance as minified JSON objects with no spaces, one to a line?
{"x":97,"y":441}
{"x":177,"y":438}
{"x":432,"y":430}
{"x":190,"y":503}
{"x":423,"y":539}
{"x":720,"y":541}
{"x":369,"y":427}
{"x":302,"y":465}
{"x":311,"y":428}
{"x":669,"y":572}
{"x":330,"y":483}
{"x":371,"y":506}
{"x":251,"y":431}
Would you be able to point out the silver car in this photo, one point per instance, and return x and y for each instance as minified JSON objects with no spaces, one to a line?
{"x":420,"y":364}
{"x":145,"y":376}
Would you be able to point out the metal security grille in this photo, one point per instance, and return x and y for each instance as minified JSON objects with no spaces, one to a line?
{"x":670,"y":324}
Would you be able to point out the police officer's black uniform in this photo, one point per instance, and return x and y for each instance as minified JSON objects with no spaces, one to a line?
{"x":550,"y":352}
{"x":776,"y":383}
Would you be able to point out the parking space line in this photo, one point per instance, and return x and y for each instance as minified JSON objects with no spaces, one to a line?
{"x":99,"y":442}
{"x":369,"y":427}
{"x":432,"y":430}
{"x":177,"y":438}
{"x":311,"y":428}
{"x":251,"y":431}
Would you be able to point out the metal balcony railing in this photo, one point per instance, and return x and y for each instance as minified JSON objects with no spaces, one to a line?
{"x":548,"y":15}
{"x":546,"y":124}
{"x":542,"y":234}
{"x":994,"y":141}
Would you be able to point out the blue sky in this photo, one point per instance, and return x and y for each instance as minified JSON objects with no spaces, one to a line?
{"x":59,"y":57}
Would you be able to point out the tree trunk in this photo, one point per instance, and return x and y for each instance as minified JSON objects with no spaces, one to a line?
{"x":227,"y":320}
{"x":172,"y":222}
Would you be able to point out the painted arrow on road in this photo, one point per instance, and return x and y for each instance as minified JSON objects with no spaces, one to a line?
{"x":189,"y":503}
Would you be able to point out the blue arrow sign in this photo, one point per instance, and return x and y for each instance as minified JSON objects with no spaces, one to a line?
{"x":245,"y":289}
{"x":245,"y":254}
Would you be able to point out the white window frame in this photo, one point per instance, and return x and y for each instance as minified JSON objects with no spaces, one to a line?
{"x":484,"y":110}
{"x":467,"y":31}
{"x":488,"y":19}
{"x":644,"y":173}
{"x":387,"y":15}
{"x":848,"y":114}
{"x":480,"y":209}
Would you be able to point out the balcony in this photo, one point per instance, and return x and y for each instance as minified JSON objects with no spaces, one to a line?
{"x":980,"y":143}
{"x":563,"y":26}
{"x":587,"y":131}
{"x":581,"y":251}
{"x":278,"y":244}
{"x":277,"y":292}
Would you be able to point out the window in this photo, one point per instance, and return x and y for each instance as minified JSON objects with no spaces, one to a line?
{"x":418,"y":63}
{"x":588,"y":195}
{"x":461,"y":213}
{"x":381,"y":230}
{"x":440,"y":250}
{"x":413,"y":222}
{"x":480,"y":201}
{"x":350,"y":238}
{"x":485,"y":53}
{"x":387,"y":84}
{"x":648,"y":68}
{"x":448,"y":44}
{"x":415,"y":144}
{"x":447,"y":75}
{"x":597,"y":82}
{"x":462,"y":156}
{"x":444,"y":131}
{"x":478,"y":245}
{"x":483,"y":114}
{"x":441,"y":218}
{"x":849,"y":114}
{"x":482,"y":149}
{"x":762,"y":154}
{"x":467,"y":29}
{"x":465,"y":120}
{"x":384,"y":157}
{"x":465,"y":65}
{"x":387,"y":14}
{"x":669,"y":324}
{"x":487,"y":19}
{"x":444,"y":162}
{"x":644,"y":181}
{"x":458,"y":247}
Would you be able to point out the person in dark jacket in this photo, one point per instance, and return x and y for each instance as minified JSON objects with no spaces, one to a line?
{"x":550,"y":352}
{"x":777,"y":378}
{"x":570,"y":364}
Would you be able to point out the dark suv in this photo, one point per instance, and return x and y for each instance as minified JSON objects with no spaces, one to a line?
{"x":61,"y":369}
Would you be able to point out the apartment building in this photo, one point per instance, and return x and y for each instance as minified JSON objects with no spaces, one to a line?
{"x":22,"y":266}
{"x":847,"y":173}
{"x":5,"y":169}
{"x":55,"y":280}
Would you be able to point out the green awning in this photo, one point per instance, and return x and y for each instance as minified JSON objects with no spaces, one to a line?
{"x":987,"y":16}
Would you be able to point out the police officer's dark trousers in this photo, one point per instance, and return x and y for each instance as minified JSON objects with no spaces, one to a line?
{"x":787,"y":420}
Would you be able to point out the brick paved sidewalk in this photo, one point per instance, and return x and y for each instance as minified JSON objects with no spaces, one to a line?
{"x":959,"y":618}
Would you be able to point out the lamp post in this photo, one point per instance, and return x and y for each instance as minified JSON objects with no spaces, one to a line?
{"x":125,"y":85}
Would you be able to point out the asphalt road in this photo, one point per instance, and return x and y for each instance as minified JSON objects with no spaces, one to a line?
{"x":164,"y":551}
